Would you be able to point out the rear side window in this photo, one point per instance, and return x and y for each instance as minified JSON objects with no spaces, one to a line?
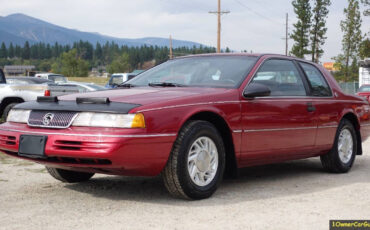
{"x":319,"y":86}
{"x":281,"y":77}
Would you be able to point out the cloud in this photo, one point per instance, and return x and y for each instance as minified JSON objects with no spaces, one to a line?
{"x":256,"y":25}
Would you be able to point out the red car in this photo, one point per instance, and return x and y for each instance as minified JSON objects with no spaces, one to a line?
{"x":364,"y":91}
{"x":192,"y":119}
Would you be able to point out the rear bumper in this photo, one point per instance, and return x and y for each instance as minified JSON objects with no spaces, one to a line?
{"x":111,"y":151}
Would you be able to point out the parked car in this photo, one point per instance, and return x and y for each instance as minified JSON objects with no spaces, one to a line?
{"x":192,"y":119}
{"x":57,"y":78}
{"x":119,"y":78}
{"x":364,"y":91}
{"x":85,"y":87}
{"x":27,"y":80}
{"x":27,"y":89}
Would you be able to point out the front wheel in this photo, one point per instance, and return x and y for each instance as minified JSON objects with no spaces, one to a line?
{"x":197,"y":162}
{"x":69,"y":176}
{"x":342,"y":155}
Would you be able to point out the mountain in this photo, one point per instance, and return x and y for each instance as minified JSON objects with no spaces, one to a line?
{"x":19,"y":28}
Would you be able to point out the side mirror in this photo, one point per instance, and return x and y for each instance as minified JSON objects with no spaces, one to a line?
{"x":256,"y":90}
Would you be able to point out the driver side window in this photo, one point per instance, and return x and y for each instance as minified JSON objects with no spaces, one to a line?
{"x":281,"y":77}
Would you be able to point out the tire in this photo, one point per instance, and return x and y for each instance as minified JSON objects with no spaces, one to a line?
{"x":68,"y":176}
{"x":7,"y":110}
{"x":182,"y":161}
{"x":332,"y":161}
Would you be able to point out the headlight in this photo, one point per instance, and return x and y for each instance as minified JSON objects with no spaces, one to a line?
{"x":110,"y":120}
{"x":18,"y":115}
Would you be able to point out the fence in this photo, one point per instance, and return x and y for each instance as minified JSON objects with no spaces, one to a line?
{"x":349,"y":87}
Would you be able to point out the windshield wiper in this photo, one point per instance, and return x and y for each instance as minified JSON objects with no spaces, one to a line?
{"x":166,"y":84}
{"x":125,"y":85}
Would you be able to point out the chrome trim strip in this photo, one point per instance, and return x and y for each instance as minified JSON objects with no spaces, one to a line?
{"x":93,"y":135}
{"x":365,"y":125}
{"x":237,"y":131}
{"x":328,"y":126}
{"x":278,"y":129}
{"x":184,"y":105}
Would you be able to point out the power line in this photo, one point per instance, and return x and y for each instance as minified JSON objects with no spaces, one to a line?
{"x":257,"y":13}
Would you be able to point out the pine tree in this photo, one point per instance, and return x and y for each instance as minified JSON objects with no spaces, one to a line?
{"x":318,"y":31}
{"x":301,"y":30}
{"x":11,"y":50}
{"x":367,"y":4}
{"x":351,"y":26}
{"x":3,"y":51}
{"x":26,"y":52}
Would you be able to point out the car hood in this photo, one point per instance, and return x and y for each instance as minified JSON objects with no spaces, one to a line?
{"x":150,"y":95}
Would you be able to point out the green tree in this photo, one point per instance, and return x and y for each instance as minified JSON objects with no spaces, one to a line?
{"x":351,"y":27}
{"x":3,"y":51}
{"x":364,"y":51}
{"x":120,"y":64}
{"x":26,"y":51}
{"x":318,"y":31}
{"x":301,"y":29}
{"x":72,"y":65}
{"x":11,"y":50}
{"x":366,"y":4}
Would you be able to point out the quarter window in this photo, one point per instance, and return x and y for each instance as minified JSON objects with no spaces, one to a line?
{"x":282,"y":77}
{"x":317,"y":82}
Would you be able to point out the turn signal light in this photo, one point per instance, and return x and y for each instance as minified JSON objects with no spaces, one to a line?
{"x":138,"y":121}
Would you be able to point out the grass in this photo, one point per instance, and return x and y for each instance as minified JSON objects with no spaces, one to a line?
{"x":96,"y":80}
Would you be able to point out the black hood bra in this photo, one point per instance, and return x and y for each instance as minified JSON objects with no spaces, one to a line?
{"x":102,"y":105}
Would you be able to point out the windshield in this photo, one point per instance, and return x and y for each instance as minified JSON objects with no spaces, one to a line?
{"x":116,"y":79}
{"x":364,"y":88}
{"x":57,"y":78}
{"x":211,"y":71}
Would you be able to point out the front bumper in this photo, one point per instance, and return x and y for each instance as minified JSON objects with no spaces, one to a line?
{"x":100,"y":150}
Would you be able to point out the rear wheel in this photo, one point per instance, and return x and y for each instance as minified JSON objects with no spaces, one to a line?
{"x":68,"y":176}
{"x":341,"y":157}
{"x":197,"y":162}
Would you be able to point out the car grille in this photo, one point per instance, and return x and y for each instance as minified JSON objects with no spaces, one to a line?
{"x":47,"y":119}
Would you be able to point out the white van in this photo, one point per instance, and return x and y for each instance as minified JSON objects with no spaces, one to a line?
{"x":56,"y":78}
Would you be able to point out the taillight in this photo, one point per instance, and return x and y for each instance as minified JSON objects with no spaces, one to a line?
{"x":47,"y":93}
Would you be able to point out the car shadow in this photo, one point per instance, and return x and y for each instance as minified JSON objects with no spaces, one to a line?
{"x":254,"y":183}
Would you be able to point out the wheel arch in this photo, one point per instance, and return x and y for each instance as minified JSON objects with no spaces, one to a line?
{"x":222,"y":126}
{"x":8,"y":100}
{"x":350,"y":116}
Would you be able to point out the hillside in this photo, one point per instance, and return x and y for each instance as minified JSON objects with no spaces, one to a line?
{"x":19,"y":28}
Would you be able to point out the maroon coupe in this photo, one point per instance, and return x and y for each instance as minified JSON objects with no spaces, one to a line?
{"x":193,"y":119}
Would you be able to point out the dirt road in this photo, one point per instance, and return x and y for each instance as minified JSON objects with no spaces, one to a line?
{"x":294,"y":195}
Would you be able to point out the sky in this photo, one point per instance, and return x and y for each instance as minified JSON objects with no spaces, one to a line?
{"x":252,"y":25}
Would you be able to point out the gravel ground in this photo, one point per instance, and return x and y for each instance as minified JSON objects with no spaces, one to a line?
{"x":293,"y":195}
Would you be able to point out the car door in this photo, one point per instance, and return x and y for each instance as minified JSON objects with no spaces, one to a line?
{"x":327,"y":108}
{"x":280,"y":126}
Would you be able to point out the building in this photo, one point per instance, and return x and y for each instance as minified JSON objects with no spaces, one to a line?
{"x":364,"y":72}
{"x":330,"y":66}
{"x":18,"y":70}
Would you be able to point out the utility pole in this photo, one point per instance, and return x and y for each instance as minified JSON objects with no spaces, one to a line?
{"x":286,"y":35}
{"x":286,"y":38}
{"x":219,"y":13}
{"x":171,"y":54}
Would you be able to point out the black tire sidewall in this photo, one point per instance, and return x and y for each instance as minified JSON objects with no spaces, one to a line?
{"x":7,"y":110}
{"x":345,"y":125}
{"x":200,"y":129}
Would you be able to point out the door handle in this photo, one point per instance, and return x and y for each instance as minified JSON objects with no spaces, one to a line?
{"x":310,"y":107}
